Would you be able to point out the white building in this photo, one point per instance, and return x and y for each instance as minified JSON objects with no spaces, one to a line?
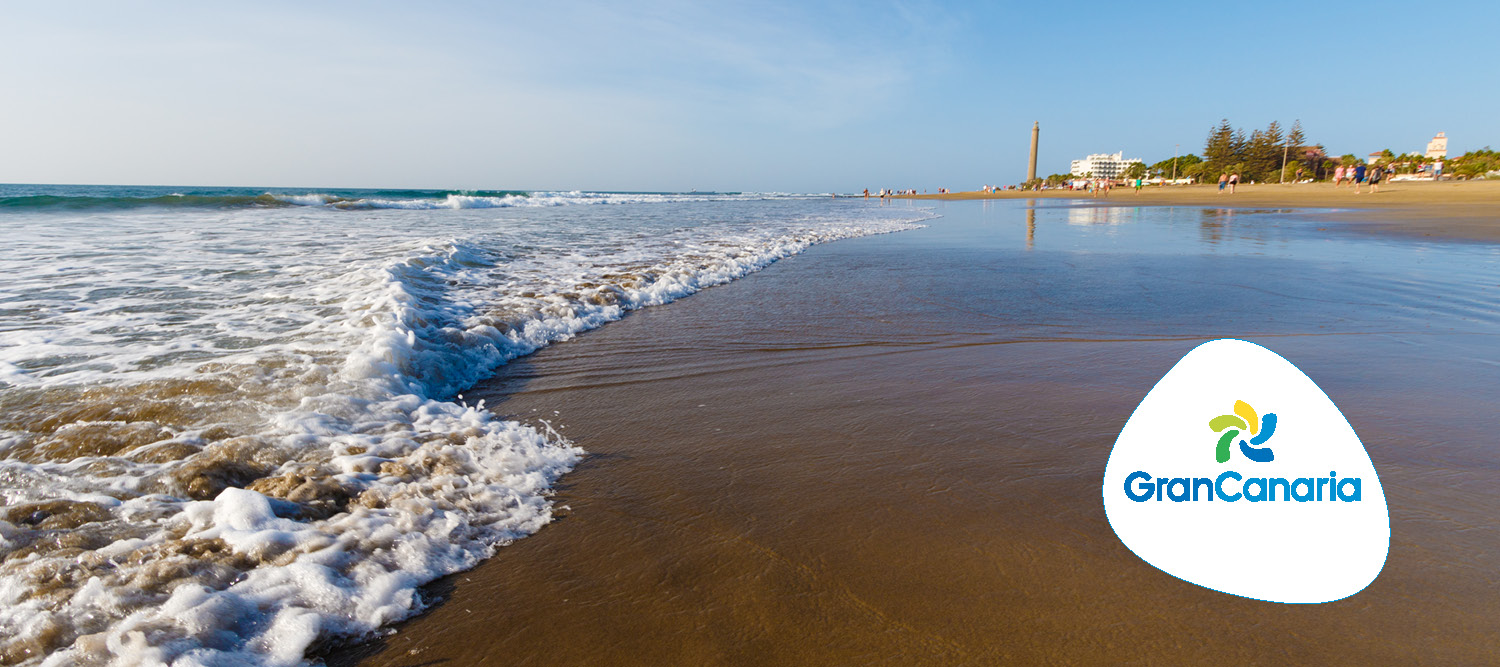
{"x":1438,"y":147}
{"x":1102,"y":165}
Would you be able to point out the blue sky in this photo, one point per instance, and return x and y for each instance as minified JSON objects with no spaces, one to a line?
{"x":796,"y":96}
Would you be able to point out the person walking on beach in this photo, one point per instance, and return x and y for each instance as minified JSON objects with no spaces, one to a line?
{"x":1338,"y":176}
{"x":1376,"y":174}
{"x":1138,"y":180}
{"x":1437,"y":171}
{"x":1234,"y":179}
{"x":1359,"y":176}
{"x":1223,"y":181}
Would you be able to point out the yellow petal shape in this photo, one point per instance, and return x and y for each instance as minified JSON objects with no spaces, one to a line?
{"x":1243,"y":409}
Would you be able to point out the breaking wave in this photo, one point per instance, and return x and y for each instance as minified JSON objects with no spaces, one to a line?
{"x":243,"y":443}
{"x":42,"y":198}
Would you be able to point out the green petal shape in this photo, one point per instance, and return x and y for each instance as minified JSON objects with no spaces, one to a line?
{"x":1221,"y":453}
{"x":1222,"y":422}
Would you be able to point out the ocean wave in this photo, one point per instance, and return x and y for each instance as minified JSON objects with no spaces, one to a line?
{"x":172,"y":200}
{"x":261,"y":504}
{"x":357,"y":200}
{"x":542,"y":199}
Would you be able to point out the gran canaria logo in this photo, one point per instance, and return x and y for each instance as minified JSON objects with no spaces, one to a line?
{"x":1140,"y":487}
{"x":1242,"y":420}
{"x":1289,"y":472}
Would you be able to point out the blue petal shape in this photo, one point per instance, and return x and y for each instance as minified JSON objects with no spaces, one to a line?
{"x":1267,"y":427}
{"x":1257,"y":455}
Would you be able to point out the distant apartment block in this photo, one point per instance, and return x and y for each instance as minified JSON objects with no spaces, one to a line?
{"x":1102,"y":165}
{"x":1438,"y":147}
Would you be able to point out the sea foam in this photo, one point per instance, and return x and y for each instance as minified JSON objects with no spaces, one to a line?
{"x":239,"y":439}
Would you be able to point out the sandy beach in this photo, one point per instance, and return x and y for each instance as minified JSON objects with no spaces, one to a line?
{"x":888,"y":450}
{"x":1453,"y":209}
{"x":533,"y":334}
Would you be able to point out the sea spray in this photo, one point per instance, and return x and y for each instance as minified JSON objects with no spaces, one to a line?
{"x":233,"y":434}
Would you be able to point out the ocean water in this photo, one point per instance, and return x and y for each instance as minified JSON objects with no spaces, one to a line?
{"x":897,"y":451}
{"x":232,"y":423}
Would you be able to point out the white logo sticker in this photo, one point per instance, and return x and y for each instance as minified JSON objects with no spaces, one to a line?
{"x":1238,"y":473}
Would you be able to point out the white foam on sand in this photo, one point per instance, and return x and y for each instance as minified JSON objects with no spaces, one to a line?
{"x":331,"y":360}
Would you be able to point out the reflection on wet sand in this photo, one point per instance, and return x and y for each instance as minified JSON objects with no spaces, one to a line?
{"x":1030,"y":224}
{"x":800,"y":468}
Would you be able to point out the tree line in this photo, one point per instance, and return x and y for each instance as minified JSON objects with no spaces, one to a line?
{"x":1273,"y":155}
{"x":1263,"y":155}
{"x":1269,"y":156}
{"x":1473,"y":164}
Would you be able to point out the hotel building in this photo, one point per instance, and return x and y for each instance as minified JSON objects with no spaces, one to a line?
{"x":1102,"y":165}
{"x":1437,"y":149}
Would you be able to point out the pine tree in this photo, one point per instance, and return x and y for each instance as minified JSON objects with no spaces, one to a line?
{"x":1274,"y":149}
{"x":1298,"y":147}
{"x":1218,"y":151}
{"x":1257,"y":156}
{"x":1264,"y":154}
{"x":1273,"y":133}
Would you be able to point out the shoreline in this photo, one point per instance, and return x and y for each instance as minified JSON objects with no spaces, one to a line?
{"x":797,"y":468}
{"x":1459,"y":210}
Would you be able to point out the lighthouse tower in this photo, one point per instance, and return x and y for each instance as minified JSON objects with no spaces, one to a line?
{"x":1036,"y":130}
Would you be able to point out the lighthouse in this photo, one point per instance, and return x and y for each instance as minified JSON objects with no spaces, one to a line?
{"x":1036,"y":130}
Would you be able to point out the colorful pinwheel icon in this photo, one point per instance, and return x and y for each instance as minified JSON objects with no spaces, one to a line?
{"x":1244,"y":419}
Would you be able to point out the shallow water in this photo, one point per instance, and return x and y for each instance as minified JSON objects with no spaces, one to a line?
{"x":889,"y":450}
{"x":231,"y":421}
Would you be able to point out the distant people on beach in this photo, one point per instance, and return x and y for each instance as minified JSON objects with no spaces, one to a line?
{"x":1234,"y":180}
{"x":1338,"y":176}
{"x":1437,"y":171}
{"x":1223,"y":181}
{"x":1371,"y":175}
{"x":1138,"y":184}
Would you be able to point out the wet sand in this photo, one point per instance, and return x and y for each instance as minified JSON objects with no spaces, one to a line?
{"x":888,"y":451}
{"x":1450,"y":209}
